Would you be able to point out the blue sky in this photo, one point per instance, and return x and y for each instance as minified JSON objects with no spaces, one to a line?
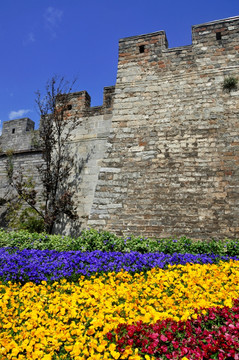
{"x":75,"y":38}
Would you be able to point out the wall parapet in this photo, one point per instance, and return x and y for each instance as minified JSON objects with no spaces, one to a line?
{"x":210,"y":39}
{"x":18,"y":134}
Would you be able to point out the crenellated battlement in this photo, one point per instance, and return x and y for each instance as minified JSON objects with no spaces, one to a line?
{"x":19,"y":135}
{"x":151,"y":51}
{"x":164,"y":145}
{"x":79,"y":103}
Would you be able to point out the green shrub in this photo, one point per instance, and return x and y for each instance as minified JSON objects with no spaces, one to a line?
{"x":91,"y":239}
{"x":230,"y":83}
{"x":29,"y":220}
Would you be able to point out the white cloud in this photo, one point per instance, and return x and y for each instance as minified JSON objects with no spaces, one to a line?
{"x":52,"y":18}
{"x":30,"y":38}
{"x":18,"y":114}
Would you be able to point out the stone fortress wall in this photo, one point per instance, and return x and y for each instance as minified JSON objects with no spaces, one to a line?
{"x":165,"y":144}
{"x":90,"y":137}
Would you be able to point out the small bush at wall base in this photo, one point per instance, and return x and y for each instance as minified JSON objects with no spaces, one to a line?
{"x":27,"y":219}
{"x":230,"y":83}
{"x":31,"y":221}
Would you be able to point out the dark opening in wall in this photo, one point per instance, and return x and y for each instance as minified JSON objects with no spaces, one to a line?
{"x":141,"y":49}
{"x":69,"y":107}
{"x":218,"y":35}
{"x":13,"y":131}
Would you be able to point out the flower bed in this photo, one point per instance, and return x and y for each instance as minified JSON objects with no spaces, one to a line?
{"x":215,"y":331}
{"x":81,"y":320}
{"x":50,"y":265}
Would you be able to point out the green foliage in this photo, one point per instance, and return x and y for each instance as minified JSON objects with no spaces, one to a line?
{"x":35,"y":141}
{"x":9,"y":164}
{"x":21,"y":200}
{"x":20,"y":216}
{"x":230,"y":83}
{"x":91,"y":239}
{"x":30,"y":220}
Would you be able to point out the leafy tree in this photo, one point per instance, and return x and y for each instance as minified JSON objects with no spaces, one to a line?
{"x":55,"y":201}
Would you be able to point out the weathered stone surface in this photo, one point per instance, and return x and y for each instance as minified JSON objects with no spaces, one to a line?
{"x":164,"y":147}
{"x":89,"y":140}
{"x":174,"y":128}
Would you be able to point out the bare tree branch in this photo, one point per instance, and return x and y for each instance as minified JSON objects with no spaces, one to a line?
{"x":55,"y":132}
